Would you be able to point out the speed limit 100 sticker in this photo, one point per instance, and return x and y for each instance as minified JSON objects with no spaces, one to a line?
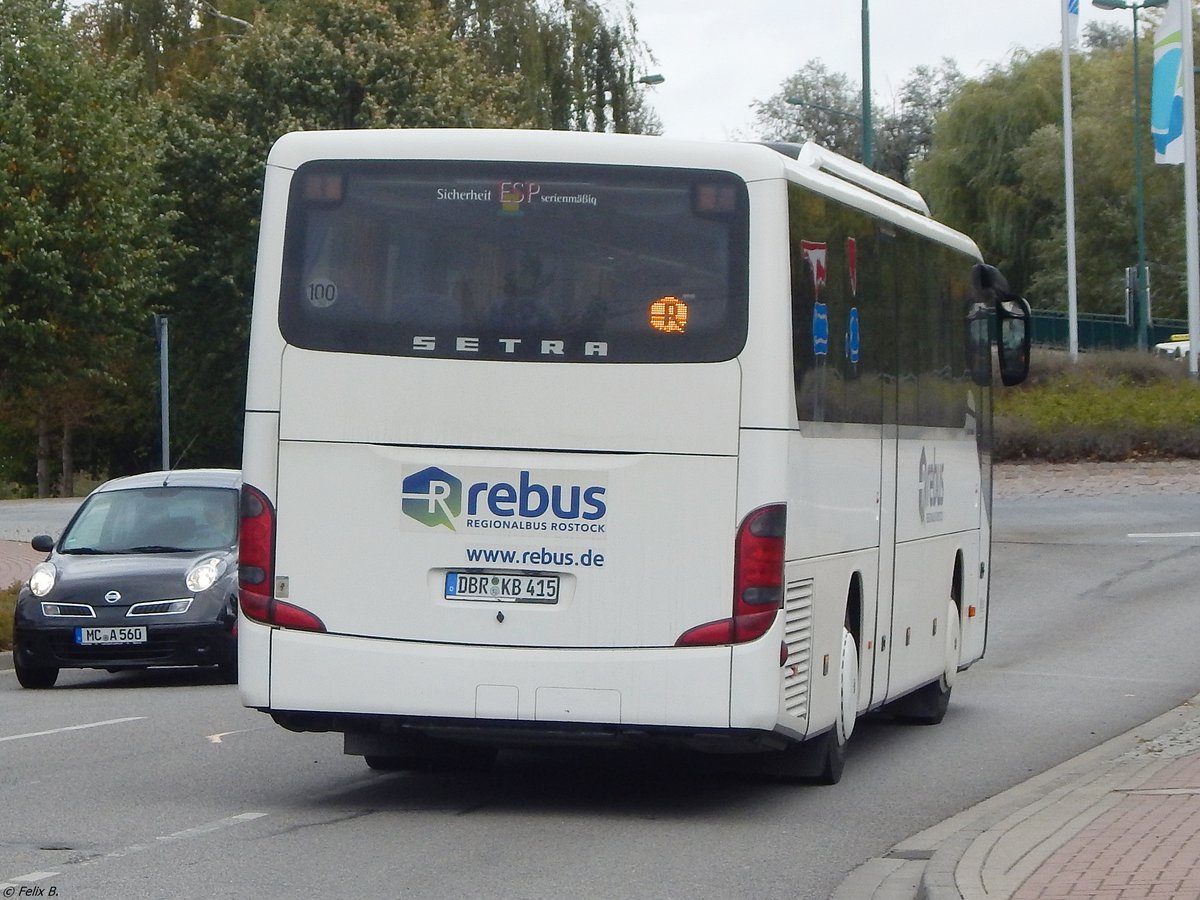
{"x":322,"y":294}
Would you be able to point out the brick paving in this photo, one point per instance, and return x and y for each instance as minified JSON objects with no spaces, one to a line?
{"x":1147,"y":846}
{"x":17,"y":560}
{"x":1096,"y":479}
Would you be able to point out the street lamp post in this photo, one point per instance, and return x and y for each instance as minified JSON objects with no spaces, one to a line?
{"x":867,"y":150}
{"x":1142,"y":311}
{"x":867,"y":143}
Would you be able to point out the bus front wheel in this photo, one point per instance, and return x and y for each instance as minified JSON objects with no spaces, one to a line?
{"x":928,"y":705}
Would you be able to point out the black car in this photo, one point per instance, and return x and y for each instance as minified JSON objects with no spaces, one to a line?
{"x":145,"y":574}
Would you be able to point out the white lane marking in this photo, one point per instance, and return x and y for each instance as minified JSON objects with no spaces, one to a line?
{"x":198,"y":831}
{"x":19,"y":737}
{"x":211,"y":826}
{"x":216,"y":738}
{"x":1164,"y":534}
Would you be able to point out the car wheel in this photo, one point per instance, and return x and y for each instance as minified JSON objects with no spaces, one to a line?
{"x":34,"y":677}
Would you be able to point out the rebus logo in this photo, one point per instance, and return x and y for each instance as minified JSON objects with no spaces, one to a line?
{"x":517,"y":499}
{"x":931,"y":488}
{"x":432,"y":496}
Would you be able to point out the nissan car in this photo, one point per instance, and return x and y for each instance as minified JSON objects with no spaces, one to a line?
{"x":145,"y":574}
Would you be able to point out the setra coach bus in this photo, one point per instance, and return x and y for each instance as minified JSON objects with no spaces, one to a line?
{"x":558,"y":437}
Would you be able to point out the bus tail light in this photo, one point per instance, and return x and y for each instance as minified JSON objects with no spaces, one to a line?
{"x":256,"y":568}
{"x":757,"y":582}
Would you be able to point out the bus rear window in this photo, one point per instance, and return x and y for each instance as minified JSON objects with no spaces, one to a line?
{"x":521,"y":261}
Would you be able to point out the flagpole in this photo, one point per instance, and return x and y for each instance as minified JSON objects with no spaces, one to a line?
{"x":1189,"y":189}
{"x":1069,"y":166}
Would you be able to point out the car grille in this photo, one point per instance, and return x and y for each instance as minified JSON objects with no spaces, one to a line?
{"x":156,"y":648}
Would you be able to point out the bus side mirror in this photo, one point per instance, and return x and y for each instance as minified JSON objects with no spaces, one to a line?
{"x":1014,"y":319}
{"x":1016,"y":337}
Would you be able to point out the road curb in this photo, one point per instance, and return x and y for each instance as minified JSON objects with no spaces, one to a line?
{"x":1019,"y":829}
{"x":6,"y":662}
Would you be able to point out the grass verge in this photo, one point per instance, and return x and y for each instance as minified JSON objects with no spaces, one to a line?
{"x":1108,"y":406}
{"x":8,"y":604}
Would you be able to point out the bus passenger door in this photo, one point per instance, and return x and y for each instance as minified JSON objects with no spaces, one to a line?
{"x":887,"y":565}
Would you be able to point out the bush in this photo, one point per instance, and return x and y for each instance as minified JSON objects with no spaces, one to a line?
{"x":8,"y":605}
{"x":1107,"y":406}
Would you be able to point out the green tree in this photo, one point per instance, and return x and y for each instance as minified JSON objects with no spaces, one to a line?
{"x":318,"y":64}
{"x":996,"y":171}
{"x":825,"y":107}
{"x":576,"y":66}
{"x":815,"y":105}
{"x":972,"y":177}
{"x":904,"y":134}
{"x":84,"y":230}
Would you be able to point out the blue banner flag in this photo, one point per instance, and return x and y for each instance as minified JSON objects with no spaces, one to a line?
{"x":1166,"y":91}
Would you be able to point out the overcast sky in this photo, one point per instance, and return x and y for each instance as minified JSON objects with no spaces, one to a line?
{"x":720,"y":55}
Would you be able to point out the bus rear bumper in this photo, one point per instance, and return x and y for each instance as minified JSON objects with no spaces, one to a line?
{"x":317,"y":681}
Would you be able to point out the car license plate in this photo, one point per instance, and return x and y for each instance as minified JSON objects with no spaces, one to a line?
{"x":131,"y":635}
{"x":506,"y":588}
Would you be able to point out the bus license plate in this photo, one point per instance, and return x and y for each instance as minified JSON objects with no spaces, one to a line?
{"x":130,"y":635}
{"x":502,"y":588}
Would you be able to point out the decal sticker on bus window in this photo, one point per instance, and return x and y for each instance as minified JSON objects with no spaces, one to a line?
{"x":321,"y":294}
{"x":814,"y":254}
{"x":515,"y":193}
{"x":669,"y":315}
{"x":853,"y":337}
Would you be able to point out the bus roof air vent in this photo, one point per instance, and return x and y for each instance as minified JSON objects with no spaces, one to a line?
{"x":816,"y":157}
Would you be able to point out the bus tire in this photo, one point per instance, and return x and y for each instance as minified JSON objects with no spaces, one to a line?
{"x":928,"y":705}
{"x":838,"y":737}
{"x":822,"y":759}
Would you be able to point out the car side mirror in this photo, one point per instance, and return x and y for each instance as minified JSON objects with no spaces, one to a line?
{"x":42,"y":543}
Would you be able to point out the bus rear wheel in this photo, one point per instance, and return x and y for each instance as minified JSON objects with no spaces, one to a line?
{"x":822,"y":760}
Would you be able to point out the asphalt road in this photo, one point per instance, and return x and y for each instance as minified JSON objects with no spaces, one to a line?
{"x":161,"y":784}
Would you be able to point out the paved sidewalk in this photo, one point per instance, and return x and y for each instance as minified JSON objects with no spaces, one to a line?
{"x":17,"y":560}
{"x":1119,"y":822}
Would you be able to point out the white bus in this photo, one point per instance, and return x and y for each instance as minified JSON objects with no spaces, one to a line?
{"x":560,"y":437}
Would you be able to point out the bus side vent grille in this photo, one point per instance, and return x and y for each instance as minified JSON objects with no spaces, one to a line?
{"x":798,"y":606}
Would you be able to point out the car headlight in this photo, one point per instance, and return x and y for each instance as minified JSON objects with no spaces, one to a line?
{"x":205,"y":573}
{"x":42,"y":579}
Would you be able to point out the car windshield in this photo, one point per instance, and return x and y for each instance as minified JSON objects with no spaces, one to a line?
{"x":154,"y":520}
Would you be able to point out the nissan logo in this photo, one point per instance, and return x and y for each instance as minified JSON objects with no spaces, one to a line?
{"x":112,"y":596}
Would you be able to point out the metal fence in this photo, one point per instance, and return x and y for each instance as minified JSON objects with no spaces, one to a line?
{"x":1098,"y":331}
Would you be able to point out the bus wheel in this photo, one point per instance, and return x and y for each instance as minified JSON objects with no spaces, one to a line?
{"x":836,"y":739}
{"x":822,"y":759}
{"x":928,"y":705}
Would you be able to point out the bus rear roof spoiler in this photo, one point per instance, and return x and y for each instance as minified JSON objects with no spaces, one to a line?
{"x":816,"y":157}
